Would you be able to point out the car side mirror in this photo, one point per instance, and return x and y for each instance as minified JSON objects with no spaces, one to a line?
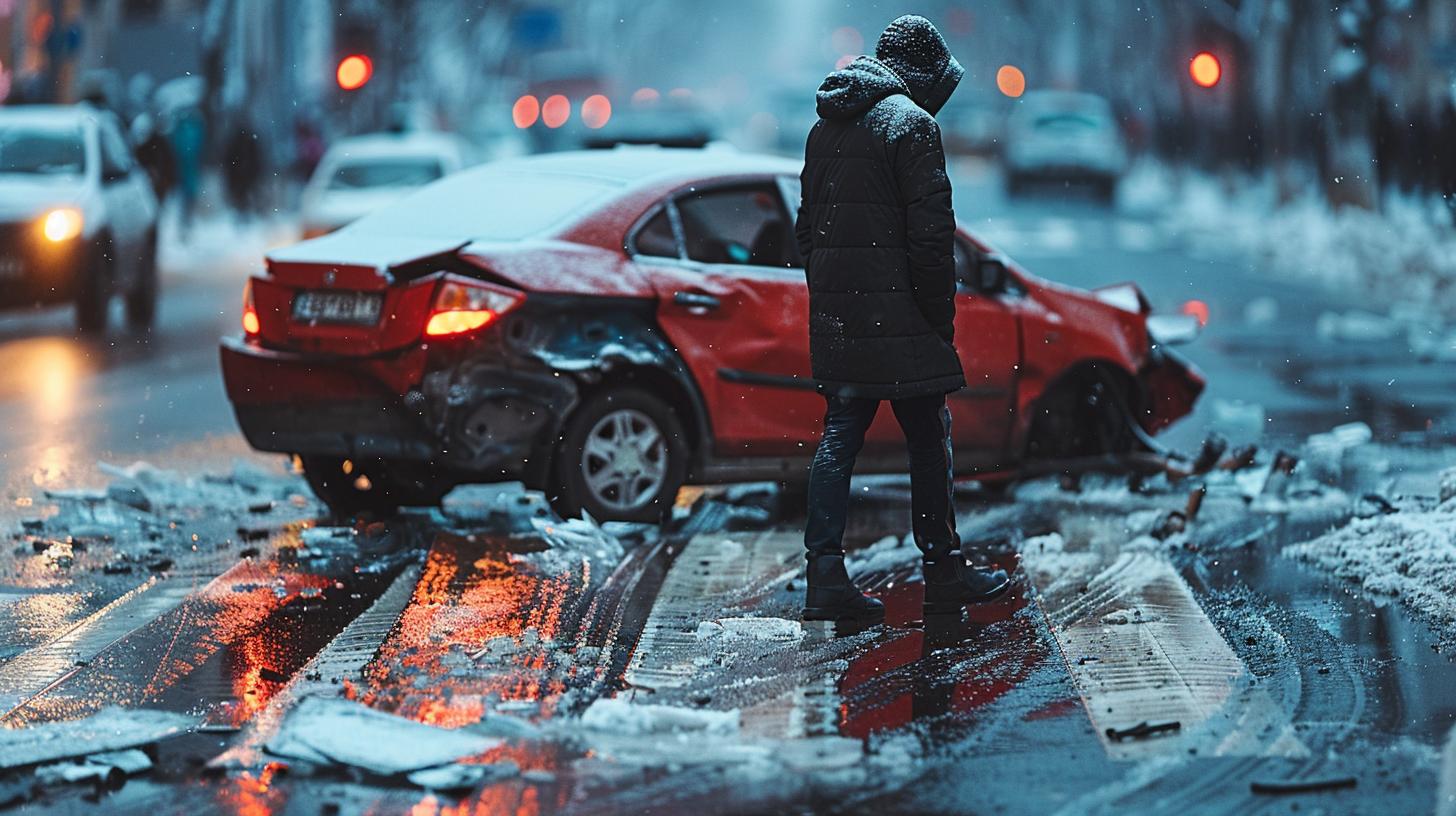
{"x":1173,"y":329}
{"x":991,"y":276}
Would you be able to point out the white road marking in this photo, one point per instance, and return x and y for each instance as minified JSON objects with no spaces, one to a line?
{"x":1140,"y":649}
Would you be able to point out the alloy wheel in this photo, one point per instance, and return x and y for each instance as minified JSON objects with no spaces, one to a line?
{"x":624,"y":460}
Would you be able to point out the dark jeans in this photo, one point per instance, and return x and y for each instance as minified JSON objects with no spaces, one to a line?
{"x":926,"y":424}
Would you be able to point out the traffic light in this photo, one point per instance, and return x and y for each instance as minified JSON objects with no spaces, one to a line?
{"x":1205,"y":69}
{"x":354,"y":71}
{"x":356,"y":47}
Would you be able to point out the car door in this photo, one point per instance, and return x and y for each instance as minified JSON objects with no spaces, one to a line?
{"x":736,"y":306}
{"x":988,"y":340}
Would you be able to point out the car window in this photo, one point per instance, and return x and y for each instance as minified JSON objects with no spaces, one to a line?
{"x":115,"y":157}
{"x":739,"y":225}
{"x":42,"y":151}
{"x":386,"y":173}
{"x":656,"y":238}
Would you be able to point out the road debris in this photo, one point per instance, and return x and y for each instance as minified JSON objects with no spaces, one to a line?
{"x":1143,"y":729}
{"x":110,"y":729}
{"x":1287,"y":786}
{"x":620,"y":716}
{"x":335,"y":731}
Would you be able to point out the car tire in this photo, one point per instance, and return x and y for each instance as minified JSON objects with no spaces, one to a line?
{"x":141,"y":301}
{"x":1082,"y":417}
{"x":627,"y":424}
{"x":93,"y":290}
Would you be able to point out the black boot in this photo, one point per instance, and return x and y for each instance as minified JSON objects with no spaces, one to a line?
{"x":833,"y":597}
{"x":951,"y":583}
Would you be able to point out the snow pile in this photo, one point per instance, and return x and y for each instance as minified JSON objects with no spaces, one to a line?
{"x":149,"y":488}
{"x":884,"y":556}
{"x":1396,"y":255}
{"x":1410,"y":554}
{"x":623,"y":717}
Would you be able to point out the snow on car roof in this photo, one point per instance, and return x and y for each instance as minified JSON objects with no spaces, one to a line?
{"x":375,"y":145}
{"x":643,"y":165}
{"x":47,"y":116}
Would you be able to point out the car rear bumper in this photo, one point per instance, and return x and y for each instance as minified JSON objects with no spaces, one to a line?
{"x":488,"y":421}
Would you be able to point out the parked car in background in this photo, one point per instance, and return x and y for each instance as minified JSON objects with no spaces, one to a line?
{"x":1064,"y":137}
{"x":608,"y":325}
{"x":360,"y":174}
{"x":972,"y":126}
{"x":78,"y":218}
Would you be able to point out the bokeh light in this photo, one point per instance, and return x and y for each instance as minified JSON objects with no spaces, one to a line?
{"x":354,"y":72}
{"x":1205,"y":70}
{"x":645,"y":96}
{"x":596,"y":111}
{"x":526,"y":111}
{"x":555,"y":111}
{"x":1010,"y":81}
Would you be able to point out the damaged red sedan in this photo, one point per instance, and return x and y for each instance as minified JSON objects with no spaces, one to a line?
{"x":607,"y":326}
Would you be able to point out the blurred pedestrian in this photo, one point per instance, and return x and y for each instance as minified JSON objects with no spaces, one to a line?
{"x":308,"y":148}
{"x":154,"y":154}
{"x":242,"y":166}
{"x":877,"y":231}
{"x":189,"y":136}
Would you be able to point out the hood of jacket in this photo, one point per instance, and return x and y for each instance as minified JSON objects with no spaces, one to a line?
{"x":850,"y":91}
{"x":913,"y":48}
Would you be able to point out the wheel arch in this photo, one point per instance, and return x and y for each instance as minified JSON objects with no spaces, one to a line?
{"x":1126,"y":383}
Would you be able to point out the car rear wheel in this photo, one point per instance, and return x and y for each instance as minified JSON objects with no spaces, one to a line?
{"x":1087,"y":415}
{"x":623,"y":456}
{"x":93,"y":290}
{"x":141,"y":301}
{"x":375,"y":487}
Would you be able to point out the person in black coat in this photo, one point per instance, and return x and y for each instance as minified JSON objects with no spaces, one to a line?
{"x":877,"y":233}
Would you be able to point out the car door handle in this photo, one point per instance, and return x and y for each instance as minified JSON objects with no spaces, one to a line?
{"x":696,"y":301}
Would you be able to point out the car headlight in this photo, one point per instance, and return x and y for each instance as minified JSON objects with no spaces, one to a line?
{"x":62,"y":224}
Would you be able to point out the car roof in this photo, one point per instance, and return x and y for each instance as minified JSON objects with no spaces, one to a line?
{"x":646,"y":166}
{"x":54,"y":116}
{"x":383,"y":145}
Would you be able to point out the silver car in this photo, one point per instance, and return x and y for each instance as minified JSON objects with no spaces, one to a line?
{"x":1062,"y":137}
{"x":78,"y":217}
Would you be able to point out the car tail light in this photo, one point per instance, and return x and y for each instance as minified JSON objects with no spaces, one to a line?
{"x":251,"y":327}
{"x":464,"y":306}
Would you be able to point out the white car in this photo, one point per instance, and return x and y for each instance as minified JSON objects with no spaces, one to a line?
{"x":1064,"y":136}
{"x":360,"y":174}
{"x":78,"y":217}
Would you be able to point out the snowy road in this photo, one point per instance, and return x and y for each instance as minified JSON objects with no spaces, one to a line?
{"x":643,"y":669}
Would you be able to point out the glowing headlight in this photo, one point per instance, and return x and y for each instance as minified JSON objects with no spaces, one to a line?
{"x":62,"y":224}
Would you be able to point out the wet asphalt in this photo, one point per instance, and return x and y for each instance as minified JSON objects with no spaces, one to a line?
{"x":219,"y":601}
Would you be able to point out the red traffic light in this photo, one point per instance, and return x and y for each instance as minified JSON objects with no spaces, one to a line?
{"x":1205,"y":70}
{"x":354,"y":72}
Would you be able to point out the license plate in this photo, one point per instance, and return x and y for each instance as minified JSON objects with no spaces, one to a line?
{"x":353,"y":308}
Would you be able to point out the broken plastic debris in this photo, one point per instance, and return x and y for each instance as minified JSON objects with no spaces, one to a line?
{"x":1143,"y":729}
{"x":623,"y":717}
{"x":463,"y":777}
{"x":110,"y":729}
{"x":327,"y":730}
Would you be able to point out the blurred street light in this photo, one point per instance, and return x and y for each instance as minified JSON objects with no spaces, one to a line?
{"x":354,"y":71}
{"x":526,"y":111}
{"x":596,"y":111}
{"x":1205,"y":69}
{"x":555,"y":111}
{"x":1010,"y":81}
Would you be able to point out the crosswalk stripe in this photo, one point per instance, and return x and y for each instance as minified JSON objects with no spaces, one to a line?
{"x":1141,"y":650}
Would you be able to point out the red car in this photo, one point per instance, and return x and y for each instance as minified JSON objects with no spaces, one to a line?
{"x":606,"y":326}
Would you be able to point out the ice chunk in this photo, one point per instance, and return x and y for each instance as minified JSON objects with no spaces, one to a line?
{"x":624,"y":717}
{"x":110,"y":729}
{"x":775,"y":629}
{"x":463,"y":777}
{"x":329,"y":730}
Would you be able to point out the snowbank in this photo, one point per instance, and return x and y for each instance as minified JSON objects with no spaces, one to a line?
{"x":1399,"y":256}
{"x":623,"y":717}
{"x":1410,"y":554}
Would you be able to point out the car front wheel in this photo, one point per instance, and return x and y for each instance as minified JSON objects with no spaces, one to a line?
{"x":622,"y":456}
